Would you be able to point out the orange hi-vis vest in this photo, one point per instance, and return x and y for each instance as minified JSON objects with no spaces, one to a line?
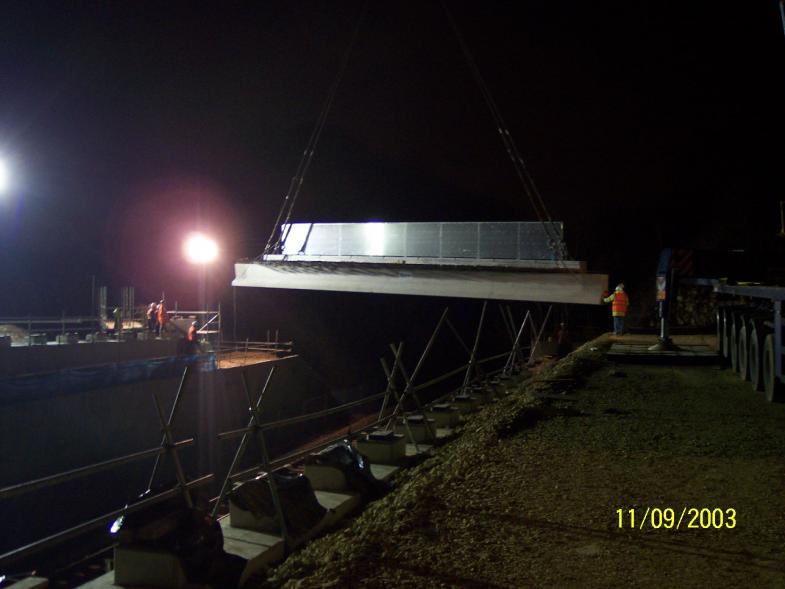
{"x":619,"y":304}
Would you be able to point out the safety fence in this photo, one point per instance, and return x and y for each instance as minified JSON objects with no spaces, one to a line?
{"x":40,"y":330}
{"x":402,"y":393}
{"x":32,"y":330}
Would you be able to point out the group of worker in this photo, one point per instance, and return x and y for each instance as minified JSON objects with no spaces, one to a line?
{"x":157,"y":317}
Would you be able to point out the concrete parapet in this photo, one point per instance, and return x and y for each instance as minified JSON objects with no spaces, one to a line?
{"x":419,"y":426}
{"x":465,"y":403}
{"x":383,"y":447}
{"x":144,"y":567}
{"x":30,"y":582}
{"x":444,"y":415}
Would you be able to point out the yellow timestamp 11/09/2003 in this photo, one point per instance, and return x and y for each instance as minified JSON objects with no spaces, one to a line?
{"x":695,"y":518}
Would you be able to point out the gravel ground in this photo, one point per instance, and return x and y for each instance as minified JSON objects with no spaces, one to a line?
{"x":527,"y":495}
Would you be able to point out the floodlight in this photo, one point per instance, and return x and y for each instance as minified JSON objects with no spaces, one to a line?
{"x":200,"y":249}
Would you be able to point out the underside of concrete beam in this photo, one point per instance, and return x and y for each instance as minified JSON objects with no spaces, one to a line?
{"x":507,"y":285}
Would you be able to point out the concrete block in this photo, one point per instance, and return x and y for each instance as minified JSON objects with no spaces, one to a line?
{"x":389,"y":450}
{"x":444,"y":415}
{"x":465,"y":403}
{"x":417,"y":425}
{"x":105,"y":581}
{"x":38,"y":339}
{"x":67,"y":338}
{"x":325,"y":478}
{"x":338,"y":506}
{"x":259,"y":549}
{"x":416,"y":450}
{"x":383,"y":472}
{"x":30,"y":582}
{"x":483,"y":393}
{"x":444,"y":433}
{"x":143,"y":567}
{"x":245,"y":526}
{"x":240,"y":518}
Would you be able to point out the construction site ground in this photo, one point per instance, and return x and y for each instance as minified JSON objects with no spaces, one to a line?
{"x":527,"y":495}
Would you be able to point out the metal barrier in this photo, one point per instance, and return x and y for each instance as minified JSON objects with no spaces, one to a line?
{"x":53,"y":325}
{"x":472,"y":367}
{"x":167,"y":446}
{"x":386,"y":417}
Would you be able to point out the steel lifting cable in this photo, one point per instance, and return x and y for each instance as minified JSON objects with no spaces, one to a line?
{"x":529,"y":187}
{"x":273,"y":244}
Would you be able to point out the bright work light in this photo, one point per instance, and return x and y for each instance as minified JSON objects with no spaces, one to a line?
{"x":4,"y":179}
{"x":200,"y":249}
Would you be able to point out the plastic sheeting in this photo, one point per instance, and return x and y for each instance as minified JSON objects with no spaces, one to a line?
{"x":355,"y":467}
{"x":75,"y":380}
{"x":300,"y":507}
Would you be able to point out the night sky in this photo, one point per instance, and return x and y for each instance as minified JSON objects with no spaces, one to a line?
{"x":127,"y":124}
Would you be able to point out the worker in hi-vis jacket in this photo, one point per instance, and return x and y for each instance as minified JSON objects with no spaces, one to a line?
{"x":619,"y":303}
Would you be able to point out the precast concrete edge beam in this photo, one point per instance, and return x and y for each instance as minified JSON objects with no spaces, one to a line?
{"x":565,"y":287}
{"x":555,"y":265}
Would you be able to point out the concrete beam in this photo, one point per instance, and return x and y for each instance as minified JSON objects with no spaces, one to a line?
{"x":543,"y":265}
{"x":551,"y":287}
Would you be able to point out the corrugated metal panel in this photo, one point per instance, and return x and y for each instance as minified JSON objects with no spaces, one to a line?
{"x":422,"y":240}
{"x":499,"y":241}
{"x":534,"y":242}
{"x":502,"y":240}
{"x":460,"y":240}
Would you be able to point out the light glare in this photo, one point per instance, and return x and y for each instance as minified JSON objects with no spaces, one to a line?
{"x":3,"y":176}
{"x":200,"y":249}
{"x":374,"y":238}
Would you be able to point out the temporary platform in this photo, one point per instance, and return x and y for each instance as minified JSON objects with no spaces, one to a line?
{"x":514,"y":261}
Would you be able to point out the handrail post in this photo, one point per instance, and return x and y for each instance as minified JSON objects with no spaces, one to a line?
{"x":171,"y":449}
{"x":391,"y":388}
{"x":506,"y":320}
{"x":457,"y":336}
{"x":410,"y":384}
{"x":172,"y":413}
{"x":243,"y":442}
{"x":390,"y":382}
{"x":518,"y":351}
{"x":257,"y":425}
{"x":473,"y":354}
{"x":508,"y":365}
{"x":539,"y":335}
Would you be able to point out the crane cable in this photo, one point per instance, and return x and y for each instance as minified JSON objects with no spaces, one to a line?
{"x":529,"y":187}
{"x":274,"y":243}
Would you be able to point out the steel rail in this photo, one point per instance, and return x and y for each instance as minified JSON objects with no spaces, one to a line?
{"x":302,"y":453}
{"x":337,"y":409}
{"x":439,"y":379}
{"x":43,"y":482}
{"x":97,"y":522}
{"x":301,"y":418}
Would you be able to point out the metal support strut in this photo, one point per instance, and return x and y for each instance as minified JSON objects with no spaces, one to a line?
{"x":473,"y":354}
